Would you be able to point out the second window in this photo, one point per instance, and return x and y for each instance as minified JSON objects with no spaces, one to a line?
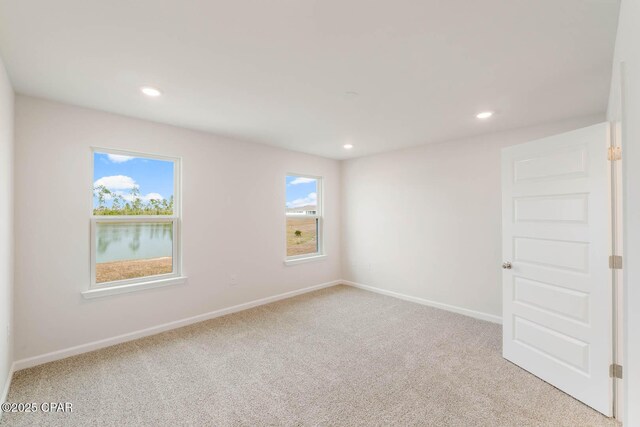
{"x":303,"y":216}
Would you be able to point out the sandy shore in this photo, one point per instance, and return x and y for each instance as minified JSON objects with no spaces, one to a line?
{"x":120,"y":270}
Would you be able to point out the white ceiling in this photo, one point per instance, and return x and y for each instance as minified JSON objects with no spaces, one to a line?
{"x":276,"y":71}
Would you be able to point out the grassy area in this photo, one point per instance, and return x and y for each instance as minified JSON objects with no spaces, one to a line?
{"x":121,"y":270}
{"x":307,"y":240}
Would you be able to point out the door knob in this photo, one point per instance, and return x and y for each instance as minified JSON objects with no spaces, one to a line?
{"x":506,"y":265}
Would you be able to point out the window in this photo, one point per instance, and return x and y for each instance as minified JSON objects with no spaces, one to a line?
{"x":134,"y":221}
{"x":303,"y":217}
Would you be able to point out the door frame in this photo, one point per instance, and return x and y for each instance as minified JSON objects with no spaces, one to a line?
{"x":617,"y":291}
{"x":617,"y":120}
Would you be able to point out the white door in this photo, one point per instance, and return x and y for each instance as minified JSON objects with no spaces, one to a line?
{"x":556,"y":281}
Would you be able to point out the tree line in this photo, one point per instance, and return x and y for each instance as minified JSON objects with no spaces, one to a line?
{"x":132,"y":205}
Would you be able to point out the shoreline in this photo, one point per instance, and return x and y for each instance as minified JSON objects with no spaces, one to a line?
{"x":130,"y":269}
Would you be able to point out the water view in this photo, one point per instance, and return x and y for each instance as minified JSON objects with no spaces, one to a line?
{"x":125,"y":251}
{"x":118,"y":242}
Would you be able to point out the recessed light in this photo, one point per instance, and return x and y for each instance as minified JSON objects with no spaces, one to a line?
{"x":348,"y":146}
{"x":151,"y":91}
{"x":484,"y":114}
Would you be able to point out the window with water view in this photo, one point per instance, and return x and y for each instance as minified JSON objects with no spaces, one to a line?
{"x":134,"y":220}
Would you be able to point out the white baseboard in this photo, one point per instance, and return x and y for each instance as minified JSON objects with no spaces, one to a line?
{"x":96,"y":345}
{"x":460,"y":310}
{"x":7,"y":385}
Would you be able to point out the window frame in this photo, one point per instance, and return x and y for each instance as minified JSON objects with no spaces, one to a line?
{"x":127,"y":285}
{"x":319,"y":216}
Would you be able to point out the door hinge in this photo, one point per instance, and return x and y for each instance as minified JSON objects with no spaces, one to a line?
{"x":615,"y":371}
{"x":615,"y":262}
{"x":614,"y":153}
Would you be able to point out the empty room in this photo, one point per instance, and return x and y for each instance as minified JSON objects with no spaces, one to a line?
{"x":319,"y":213}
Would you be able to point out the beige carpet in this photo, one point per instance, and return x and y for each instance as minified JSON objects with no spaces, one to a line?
{"x":340,"y":357}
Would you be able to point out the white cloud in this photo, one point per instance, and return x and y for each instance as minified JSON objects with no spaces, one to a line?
{"x":119,"y":158}
{"x":116,"y":182}
{"x":302,"y":180}
{"x":154,"y":196}
{"x":150,"y":196}
{"x":311,"y":199}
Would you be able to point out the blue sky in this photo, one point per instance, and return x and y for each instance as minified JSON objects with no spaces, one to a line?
{"x":120,"y":174}
{"x":301,"y":191}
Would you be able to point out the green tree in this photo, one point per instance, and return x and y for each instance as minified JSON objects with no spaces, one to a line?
{"x":98,"y":191}
{"x":155,"y":206}
{"x":103,"y":193}
{"x":115,"y":205}
{"x":131,"y":204}
{"x":137,"y":201}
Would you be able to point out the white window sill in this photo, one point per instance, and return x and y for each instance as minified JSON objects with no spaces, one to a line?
{"x":295,"y":261}
{"x":132,"y":287}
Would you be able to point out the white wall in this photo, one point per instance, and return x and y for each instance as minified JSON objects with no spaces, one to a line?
{"x":233,"y":223}
{"x":627,"y":110}
{"x":426,"y":222}
{"x":6,"y":226}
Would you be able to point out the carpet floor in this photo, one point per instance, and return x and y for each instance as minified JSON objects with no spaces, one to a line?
{"x":336,"y":357}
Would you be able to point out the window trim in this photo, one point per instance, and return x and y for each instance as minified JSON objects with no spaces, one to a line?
{"x":320,"y":254}
{"x":128,"y":285}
